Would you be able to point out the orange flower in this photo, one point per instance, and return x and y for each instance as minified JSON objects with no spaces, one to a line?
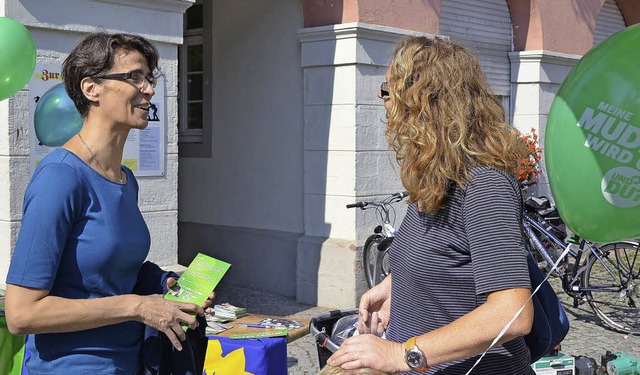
{"x":529,"y":168}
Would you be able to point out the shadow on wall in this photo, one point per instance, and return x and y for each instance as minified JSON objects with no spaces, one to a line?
{"x":263,"y":187}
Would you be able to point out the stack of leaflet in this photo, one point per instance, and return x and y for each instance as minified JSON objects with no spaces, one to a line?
{"x":280,"y":323}
{"x":215,"y":326}
{"x":229,"y":311}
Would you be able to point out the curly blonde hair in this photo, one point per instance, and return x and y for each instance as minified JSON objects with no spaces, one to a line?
{"x":444,"y":120}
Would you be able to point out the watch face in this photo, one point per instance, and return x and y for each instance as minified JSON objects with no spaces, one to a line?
{"x":414,"y":359}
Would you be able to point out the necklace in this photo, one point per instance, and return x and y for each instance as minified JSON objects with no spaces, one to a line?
{"x":94,"y":158}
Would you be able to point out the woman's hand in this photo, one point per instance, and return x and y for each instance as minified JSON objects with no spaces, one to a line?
{"x":370,"y":351}
{"x":206,"y":305}
{"x":34,"y":311}
{"x":166,"y":316}
{"x":374,"y":309}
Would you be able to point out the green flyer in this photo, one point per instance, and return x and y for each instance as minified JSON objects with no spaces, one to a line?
{"x":198,"y":280}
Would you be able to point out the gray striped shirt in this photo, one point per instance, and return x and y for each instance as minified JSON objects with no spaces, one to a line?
{"x":443,"y":264}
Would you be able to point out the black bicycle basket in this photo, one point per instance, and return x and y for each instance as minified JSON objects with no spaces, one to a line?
{"x":321,"y":328}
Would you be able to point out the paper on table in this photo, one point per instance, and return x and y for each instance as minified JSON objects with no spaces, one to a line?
{"x":259,"y":334}
{"x":280,"y":323}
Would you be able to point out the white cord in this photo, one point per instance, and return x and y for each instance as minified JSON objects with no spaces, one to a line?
{"x":504,"y":330}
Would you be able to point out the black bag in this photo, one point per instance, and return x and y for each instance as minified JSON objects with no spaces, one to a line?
{"x":550,"y":322}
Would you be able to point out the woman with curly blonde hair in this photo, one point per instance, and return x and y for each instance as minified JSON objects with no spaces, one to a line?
{"x":443,"y":100}
{"x":459,"y":269}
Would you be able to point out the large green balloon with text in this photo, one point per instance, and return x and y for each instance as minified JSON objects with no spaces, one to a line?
{"x":592,"y":142}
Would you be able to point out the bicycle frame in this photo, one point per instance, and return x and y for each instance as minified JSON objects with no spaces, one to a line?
{"x":568,"y":284}
{"x":527,"y":223}
{"x":604,"y":275}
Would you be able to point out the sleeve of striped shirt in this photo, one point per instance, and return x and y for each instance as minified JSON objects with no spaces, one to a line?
{"x":492,"y":222}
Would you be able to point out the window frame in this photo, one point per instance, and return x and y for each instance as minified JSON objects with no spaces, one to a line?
{"x":197,"y":142}
{"x":185,"y":134}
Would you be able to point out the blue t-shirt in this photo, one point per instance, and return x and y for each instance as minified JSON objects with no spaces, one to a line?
{"x":82,"y":236}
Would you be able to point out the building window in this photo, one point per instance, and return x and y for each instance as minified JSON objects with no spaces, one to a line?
{"x":191,"y":76}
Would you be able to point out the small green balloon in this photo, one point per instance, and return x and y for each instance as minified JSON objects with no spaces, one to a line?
{"x":17,"y":57}
{"x":592,"y":142}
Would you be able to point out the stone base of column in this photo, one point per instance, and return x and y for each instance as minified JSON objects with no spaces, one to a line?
{"x":329,"y":272}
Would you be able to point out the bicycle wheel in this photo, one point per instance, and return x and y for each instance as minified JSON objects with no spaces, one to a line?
{"x":375,"y":262}
{"x":613,"y":292}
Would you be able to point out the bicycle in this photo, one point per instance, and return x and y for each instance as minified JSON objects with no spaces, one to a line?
{"x":607,"y":276}
{"x":375,"y":253}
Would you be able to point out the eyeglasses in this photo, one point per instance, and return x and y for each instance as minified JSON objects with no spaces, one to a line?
{"x":384,"y":90}
{"x":136,"y":78}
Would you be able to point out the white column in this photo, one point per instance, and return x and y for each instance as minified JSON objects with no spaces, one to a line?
{"x":5,"y":189}
{"x":347,"y":157}
{"x":536,"y":77}
{"x":14,"y":171}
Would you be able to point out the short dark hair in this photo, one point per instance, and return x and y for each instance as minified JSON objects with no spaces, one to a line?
{"x":94,"y":55}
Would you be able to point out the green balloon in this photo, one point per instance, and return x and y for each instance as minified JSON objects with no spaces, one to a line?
{"x":17,"y":57}
{"x":592,"y":141}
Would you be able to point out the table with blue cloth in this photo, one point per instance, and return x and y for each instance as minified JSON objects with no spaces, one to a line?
{"x":262,"y":356}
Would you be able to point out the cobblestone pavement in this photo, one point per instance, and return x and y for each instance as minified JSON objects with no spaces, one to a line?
{"x":587,"y":335}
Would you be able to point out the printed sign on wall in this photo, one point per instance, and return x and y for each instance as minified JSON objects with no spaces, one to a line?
{"x":144,"y":150}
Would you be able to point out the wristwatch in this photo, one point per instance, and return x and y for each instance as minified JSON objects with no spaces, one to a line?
{"x":414,"y":357}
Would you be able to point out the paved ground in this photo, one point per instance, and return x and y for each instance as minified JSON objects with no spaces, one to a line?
{"x":586,"y":336}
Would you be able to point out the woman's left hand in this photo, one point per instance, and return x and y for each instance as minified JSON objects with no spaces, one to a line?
{"x":370,"y":351}
{"x":206,"y":306}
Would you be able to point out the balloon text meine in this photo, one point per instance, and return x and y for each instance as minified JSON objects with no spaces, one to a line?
{"x":592,"y":142}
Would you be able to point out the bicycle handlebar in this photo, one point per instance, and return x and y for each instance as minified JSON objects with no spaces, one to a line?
{"x":402,"y":194}
{"x":397,"y":197}
{"x":359,"y":205}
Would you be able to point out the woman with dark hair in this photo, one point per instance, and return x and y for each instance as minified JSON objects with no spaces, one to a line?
{"x":459,"y":269}
{"x":78,"y":260}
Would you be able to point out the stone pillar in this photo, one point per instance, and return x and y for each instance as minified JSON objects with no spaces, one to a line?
{"x":536,"y":77}
{"x":14,"y":161}
{"x":347,"y":157}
